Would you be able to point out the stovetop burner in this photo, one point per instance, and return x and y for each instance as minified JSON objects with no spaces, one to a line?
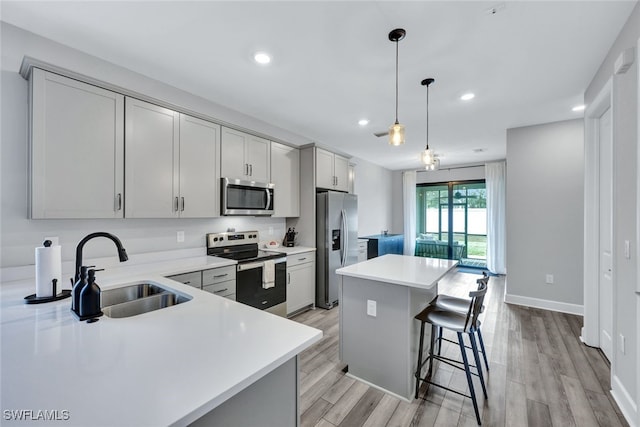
{"x":238,"y":246}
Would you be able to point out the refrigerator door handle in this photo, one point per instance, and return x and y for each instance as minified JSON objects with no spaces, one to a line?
{"x":345,"y":240}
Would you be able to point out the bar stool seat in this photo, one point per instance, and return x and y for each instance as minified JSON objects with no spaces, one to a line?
{"x":461,"y":305}
{"x":462,"y":324}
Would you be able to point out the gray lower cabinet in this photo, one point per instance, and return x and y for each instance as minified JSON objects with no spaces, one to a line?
{"x":301,"y":281}
{"x":219,"y":281}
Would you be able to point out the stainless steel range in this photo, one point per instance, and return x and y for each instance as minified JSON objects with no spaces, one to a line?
{"x":260,"y":275}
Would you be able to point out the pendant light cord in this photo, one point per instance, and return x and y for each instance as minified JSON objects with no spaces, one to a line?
{"x":397,"y":81}
{"x":427,"y":117}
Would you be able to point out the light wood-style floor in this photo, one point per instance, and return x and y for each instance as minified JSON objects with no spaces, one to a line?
{"x":540,"y":375}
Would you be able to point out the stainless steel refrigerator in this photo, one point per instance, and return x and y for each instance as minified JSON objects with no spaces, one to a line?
{"x":336,"y":240}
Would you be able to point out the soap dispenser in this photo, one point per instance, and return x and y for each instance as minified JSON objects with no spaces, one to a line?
{"x":77,"y":289}
{"x":90,"y":298}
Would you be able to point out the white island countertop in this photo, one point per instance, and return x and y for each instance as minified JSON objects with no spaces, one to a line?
{"x":412,"y":271}
{"x":165,"y":367}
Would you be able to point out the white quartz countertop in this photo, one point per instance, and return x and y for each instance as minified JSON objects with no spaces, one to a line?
{"x":417,"y":272}
{"x":165,"y":367}
{"x":292,"y":251}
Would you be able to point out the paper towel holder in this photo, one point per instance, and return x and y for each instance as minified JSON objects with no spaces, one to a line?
{"x":64,"y":293}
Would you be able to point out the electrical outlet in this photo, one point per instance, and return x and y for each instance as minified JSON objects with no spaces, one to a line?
{"x":55,"y":241}
{"x":270,"y":231}
{"x":180,"y":236}
{"x":550,"y":279}
{"x":622,"y":344}
{"x":371,"y":308}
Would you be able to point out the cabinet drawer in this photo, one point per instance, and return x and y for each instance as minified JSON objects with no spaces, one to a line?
{"x":293,"y":260}
{"x":192,"y":279}
{"x":223,"y":289}
{"x":217,"y":275}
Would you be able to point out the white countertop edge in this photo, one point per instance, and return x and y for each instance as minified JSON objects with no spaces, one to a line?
{"x":295,"y":250}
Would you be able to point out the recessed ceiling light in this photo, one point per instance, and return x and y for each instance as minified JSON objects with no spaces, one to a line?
{"x":468,"y":96}
{"x":363,"y":122}
{"x":579,"y":108}
{"x":262,"y":58}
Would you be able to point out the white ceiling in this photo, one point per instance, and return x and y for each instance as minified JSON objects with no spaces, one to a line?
{"x":334,"y":64}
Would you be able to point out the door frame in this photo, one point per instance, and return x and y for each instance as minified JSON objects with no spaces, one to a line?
{"x":591,"y":259}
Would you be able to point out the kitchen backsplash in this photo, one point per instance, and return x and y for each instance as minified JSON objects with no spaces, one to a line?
{"x":138,"y":236}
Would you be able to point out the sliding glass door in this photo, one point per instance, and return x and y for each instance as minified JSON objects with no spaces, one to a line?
{"x":452,"y":222}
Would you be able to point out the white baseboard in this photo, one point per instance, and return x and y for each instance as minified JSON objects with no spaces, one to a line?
{"x":625,"y":402}
{"x":544,"y":304}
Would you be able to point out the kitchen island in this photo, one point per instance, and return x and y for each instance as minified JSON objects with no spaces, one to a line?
{"x":209,"y":360}
{"x":379,"y":337}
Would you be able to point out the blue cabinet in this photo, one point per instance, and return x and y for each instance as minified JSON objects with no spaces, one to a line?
{"x":382,"y":244}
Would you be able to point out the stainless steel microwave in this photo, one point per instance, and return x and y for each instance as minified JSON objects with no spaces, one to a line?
{"x":246,"y":197}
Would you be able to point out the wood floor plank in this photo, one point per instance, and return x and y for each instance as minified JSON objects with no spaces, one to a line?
{"x":341,"y":409}
{"x":556,"y":398}
{"x":494,"y":409}
{"x":380,"y":416}
{"x":314,"y":392}
{"x":338,"y":389}
{"x":314,"y":413}
{"x":363,"y":409}
{"x":603,"y":410}
{"x":515,"y":362}
{"x":428,"y":414}
{"x":447,"y":417}
{"x":538,"y":414}
{"x":516,"y":405}
{"x":532,"y":373}
{"x":584,"y":370}
{"x":580,"y":406}
{"x":403,"y":415}
{"x":324,"y":423}
{"x":557,"y":348}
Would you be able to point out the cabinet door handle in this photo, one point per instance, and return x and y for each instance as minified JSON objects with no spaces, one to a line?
{"x":187,"y":282}
{"x":221,"y":290}
{"x":220,"y":275}
{"x":265,"y":302}
{"x":182,"y":204}
{"x":119,"y":202}
{"x":288,"y":278}
{"x":246,"y":169}
{"x":250,"y":170}
{"x":302,"y":259}
{"x":176,"y":205}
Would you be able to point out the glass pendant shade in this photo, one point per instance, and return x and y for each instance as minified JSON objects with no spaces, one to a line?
{"x":396,"y":134}
{"x":427,"y":156}
{"x":434,"y":165}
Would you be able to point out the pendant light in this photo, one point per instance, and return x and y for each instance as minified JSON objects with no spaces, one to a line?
{"x":428,"y":156}
{"x":396,"y":131}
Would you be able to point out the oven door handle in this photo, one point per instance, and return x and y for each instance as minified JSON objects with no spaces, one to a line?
{"x":259,"y":264}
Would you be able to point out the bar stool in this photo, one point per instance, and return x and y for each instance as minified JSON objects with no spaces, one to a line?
{"x":460,"y":324}
{"x":461,"y":305}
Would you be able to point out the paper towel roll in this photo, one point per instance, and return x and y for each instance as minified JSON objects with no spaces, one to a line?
{"x":48,"y":267}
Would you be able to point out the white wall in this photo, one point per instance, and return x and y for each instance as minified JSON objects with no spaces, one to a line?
{"x":625,"y":369}
{"x":544,"y":213}
{"x":374,"y":186}
{"x":20,"y":235}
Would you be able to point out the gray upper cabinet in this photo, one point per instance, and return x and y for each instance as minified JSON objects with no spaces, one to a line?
{"x":285,"y":174}
{"x":77,"y":149}
{"x":199,"y":174}
{"x":152,"y":156}
{"x":170,"y":163}
{"x":332,"y":171}
{"x":245,"y":156}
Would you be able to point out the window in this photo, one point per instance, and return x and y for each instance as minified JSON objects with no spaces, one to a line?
{"x":452,"y":221}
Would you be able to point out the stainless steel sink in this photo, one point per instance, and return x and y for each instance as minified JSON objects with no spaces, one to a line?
{"x":139,"y":298}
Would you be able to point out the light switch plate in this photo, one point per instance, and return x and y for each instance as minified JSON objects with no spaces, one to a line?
{"x":622,"y":344}
{"x":550,"y":279}
{"x":371,"y":308}
{"x":180,"y":236}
